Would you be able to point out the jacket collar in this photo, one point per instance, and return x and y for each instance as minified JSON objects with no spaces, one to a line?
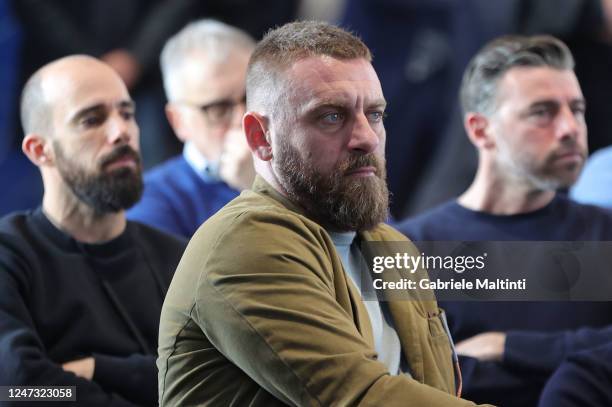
{"x":263,"y":187}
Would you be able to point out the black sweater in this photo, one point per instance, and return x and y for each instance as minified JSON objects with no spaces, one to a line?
{"x":62,"y":300}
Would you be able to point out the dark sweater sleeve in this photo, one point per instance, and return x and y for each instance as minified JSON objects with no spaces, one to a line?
{"x":138,"y":376}
{"x":494,"y":383}
{"x":24,"y":361}
{"x":544,"y":352}
{"x":584,"y":379}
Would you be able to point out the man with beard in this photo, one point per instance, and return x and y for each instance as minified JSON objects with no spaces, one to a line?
{"x":265,"y":307}
{"x":524,"y":112}
{"x":80,"y":287}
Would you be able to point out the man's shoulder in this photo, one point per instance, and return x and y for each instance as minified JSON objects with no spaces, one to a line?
{"x":177,"y":200}
{"x":575,"y":206}
{"x":176,"y":177}
{"x":168,"y":171}
{"x":254,"y":209}
{"x":590,"y":222}
{"x":451,"y":221}
{"x":432,"y":224}
{"x":260,"y":225}
{"x":143,"y":233}
{"x":252,"y":233}
{"x":22,"y":243}
{"x":13,"y":221}
{"x":385,"y":232}
{"x":17,"y":228}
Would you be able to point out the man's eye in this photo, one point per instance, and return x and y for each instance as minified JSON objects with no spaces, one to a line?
{"x":540,"y":113}
{"x":219,"y":110}
{"x":127,"y":115}
{"x":579,"y":111}
{"x":332,"y":118}
{"x":91,"y":121}
{"x":542,"y":116}
{"x":376,"y":117}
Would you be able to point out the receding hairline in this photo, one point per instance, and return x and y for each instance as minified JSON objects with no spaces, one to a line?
{"x":35,"y":108}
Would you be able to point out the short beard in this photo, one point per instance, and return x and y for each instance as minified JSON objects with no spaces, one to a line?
{"x":104,"y":192}
{"x":334,"y":200}
{"x":544,"y":178}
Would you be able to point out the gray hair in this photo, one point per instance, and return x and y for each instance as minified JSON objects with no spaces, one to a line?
{"x":488,"y":66}
{"x":283,"y":46}
{"x":215,"y":39}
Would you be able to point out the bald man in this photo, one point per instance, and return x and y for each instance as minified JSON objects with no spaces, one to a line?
{"x":81,"y":288}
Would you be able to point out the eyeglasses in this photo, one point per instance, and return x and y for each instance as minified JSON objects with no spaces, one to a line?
{"x":219,"y":112}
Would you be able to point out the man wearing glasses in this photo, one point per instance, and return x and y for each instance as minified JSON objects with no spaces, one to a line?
{"x":204,"y":68}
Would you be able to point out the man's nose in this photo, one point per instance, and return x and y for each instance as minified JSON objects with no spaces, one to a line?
{"x":363,"y":136}
{"x":119,"y":129}
{"x":569,"y":124}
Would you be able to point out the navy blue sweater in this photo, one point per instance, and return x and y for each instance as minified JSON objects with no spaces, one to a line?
{"x":539,"y":335}
{"x":178,"y":200}
{"x":583,"y":380}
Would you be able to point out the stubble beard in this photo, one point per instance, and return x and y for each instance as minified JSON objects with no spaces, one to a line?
{"x":544,"y":176}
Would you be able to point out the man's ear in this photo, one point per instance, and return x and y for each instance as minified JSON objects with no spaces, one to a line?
{"x":38,"y":149}
{"x":254,"y":126}
{"x":478,"y":129}
{"x":176,"y":119}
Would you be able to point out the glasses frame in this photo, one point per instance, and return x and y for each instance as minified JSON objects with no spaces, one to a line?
{"x":218,"y":119}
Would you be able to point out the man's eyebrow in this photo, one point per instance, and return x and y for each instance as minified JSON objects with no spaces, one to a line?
{"x":378,"y":103}
{"x":87,"y":110}
{"x":553,"y":103}
{"x":100,"y":107}
{"x":338,"y":103}
{"x":315,"y":106}
{"x":127,"y":104}
{"x":578,"y":101}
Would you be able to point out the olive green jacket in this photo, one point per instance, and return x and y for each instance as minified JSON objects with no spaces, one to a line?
{"x":261,"y":313}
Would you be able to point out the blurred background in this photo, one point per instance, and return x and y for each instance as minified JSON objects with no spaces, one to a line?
{"x":420,"y":49}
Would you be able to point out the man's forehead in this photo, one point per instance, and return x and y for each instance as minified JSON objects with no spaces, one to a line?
{"x":323,"y":77}
{"x":530,"y":84}
{"x":71,"y":93}
{"x":326,"y":68}
{"x":198,"y":63}
{"x":200,"y":79}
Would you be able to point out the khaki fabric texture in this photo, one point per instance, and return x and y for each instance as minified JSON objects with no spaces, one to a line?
{"x":261,"y":313}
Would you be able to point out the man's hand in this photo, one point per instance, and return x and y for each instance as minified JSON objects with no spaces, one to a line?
{"x":485,"y":346}
{"x":81,"y":367}
{"x":236,"y":161}
{"x":124,"y":64}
